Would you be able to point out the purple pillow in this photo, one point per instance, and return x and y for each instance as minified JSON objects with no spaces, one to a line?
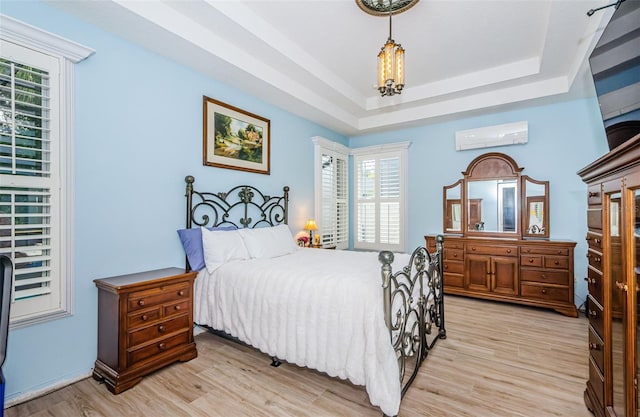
{"x":192,"y":243}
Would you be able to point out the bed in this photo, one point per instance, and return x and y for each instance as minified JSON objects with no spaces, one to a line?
{"x":371,"y":318}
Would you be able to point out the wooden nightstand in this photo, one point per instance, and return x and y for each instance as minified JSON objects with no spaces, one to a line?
{"x":145,"y":322}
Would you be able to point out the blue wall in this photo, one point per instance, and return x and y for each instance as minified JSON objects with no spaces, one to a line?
{"x":563,"y":138}
{"x":138,"y":132}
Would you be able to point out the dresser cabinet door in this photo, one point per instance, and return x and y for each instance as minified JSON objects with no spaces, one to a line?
{"x":478,"y":277}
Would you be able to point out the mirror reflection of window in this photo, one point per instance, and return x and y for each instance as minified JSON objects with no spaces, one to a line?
{"x":456,"y":216}
{"x":615,"y":218}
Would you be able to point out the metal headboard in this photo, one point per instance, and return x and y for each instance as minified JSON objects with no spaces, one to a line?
{"x":242,"y":206}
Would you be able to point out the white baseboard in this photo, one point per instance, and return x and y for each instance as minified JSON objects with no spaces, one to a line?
{"x":44,"y":391}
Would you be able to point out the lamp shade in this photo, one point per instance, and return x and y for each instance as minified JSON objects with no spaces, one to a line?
{"x":310,"y":225}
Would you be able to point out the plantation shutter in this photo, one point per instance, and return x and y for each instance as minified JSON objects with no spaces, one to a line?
{"x":29,"y":183}
{"x":332,"y":193}
{"x":380,"y":207}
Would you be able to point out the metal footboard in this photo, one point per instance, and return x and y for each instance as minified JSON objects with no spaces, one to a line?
{"x":414,"y":307}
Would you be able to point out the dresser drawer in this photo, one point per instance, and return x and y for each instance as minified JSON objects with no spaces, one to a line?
{"x":595,"y":314}
{"x":154,"y":296}
{"x":455,"y":267}
{"x":450,"y":243}
{"x":594,"y":218}
{"x":531,"y":260}
{"x":544,"y":292}
{"x":594,"y":281}
{"x":453,"y":254}
{"x":143,"y":317}
{"x":596,"y":381}
{"x":595,"y":259}
{"x":493,"y":250}
{"x":158,"y":330}
{"x":594,"y":241}
{"x":594,"y":194}
{"x":453,"y":280}
{"x":556,"y":262}
{"x":163,"y":345}
{"x":596,"y":349}
{"x":543,"y":250}
{"x":544,"y":276}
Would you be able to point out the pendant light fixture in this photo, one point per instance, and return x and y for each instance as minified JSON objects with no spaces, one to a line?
{"x":390,"y":64}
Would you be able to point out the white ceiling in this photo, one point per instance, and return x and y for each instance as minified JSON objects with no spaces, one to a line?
{"x":317,"y":58}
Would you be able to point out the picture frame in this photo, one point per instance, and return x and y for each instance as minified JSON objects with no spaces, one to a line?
{"x":234,"y":138}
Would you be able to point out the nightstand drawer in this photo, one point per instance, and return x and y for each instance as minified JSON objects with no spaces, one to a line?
{"x":596,"y":381}
{"x":176,"y":308}
{"x":544,"y":292}
{"x":143,"y":317}
{"x":154,"y":296}
{"x":160,"y":346}
{"x":545,"y":276}
{"x":158,"y":330}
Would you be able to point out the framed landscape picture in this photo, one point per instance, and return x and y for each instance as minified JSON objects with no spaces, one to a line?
{"x":234,"y":138}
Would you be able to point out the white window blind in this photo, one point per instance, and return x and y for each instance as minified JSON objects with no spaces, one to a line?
{"x":35,"y":138}
{"x":380,"y":208}
{"x":332,"y":193}
{"x":28,"y":169}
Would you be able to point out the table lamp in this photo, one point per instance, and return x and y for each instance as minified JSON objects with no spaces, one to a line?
{"x":310,"y":226}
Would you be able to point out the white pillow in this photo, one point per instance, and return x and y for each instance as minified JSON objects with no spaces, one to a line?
{"x":268,"y":242}
{"x":221,"y":246}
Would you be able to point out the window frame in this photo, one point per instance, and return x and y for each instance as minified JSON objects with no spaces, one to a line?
{"x":377,"y":152}
{"x":66,"y":53}
{"x":323,"y":146}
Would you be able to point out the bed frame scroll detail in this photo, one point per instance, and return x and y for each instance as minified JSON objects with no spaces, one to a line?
{"x":414,"y":307}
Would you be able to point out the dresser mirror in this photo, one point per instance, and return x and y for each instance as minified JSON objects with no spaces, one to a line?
{"x":536,"y":200}
{"x":452,"y":197}
{"x":494,"y":199}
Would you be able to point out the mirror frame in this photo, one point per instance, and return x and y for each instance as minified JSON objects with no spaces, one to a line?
{"x":526,"y":204}
{"x":498,"y":166}
{"x":445,"y":207}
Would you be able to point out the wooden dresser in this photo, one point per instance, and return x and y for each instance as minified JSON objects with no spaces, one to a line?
{"x":613,"y":276}
{"x":534,"y":272}
{"x":145,"y":322}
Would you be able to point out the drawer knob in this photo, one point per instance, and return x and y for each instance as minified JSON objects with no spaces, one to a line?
{"x":508,"y":250}
{"x":144,"y":317}
{"x":597,"y":241}
{"x":593,"y":194}
{"x":177,"y":307}
{"x":181,"y":293}
{"x":544,"y":290}
{"x":622,"y":286}
{"x":162,"y":329}
{"x":140,"y":302}
{"x":455,"y":255}
{"x":597,"y":259}
{"x":162,"y":346}
{"x":594,"y":346}
{"x":593,"y":313}
{"x":556,"y":262}
{"x":473,"y":248}
{"x":543,"y":276}
{"x":531,"y":260}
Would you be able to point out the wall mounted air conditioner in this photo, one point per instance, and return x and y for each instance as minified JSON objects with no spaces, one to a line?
{"x":499,"y":135}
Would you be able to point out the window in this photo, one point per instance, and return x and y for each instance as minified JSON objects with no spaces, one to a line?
{"x":379,"y":207}
{"x":35,"y":180}
{"x":332,"y":192}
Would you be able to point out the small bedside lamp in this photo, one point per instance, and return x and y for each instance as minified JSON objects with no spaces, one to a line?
{"x":310,"y":226}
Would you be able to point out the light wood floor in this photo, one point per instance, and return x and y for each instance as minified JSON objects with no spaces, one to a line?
{"x":498,"y":360}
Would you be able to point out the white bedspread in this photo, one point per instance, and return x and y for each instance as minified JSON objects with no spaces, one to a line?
{"x":322,"y":309}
